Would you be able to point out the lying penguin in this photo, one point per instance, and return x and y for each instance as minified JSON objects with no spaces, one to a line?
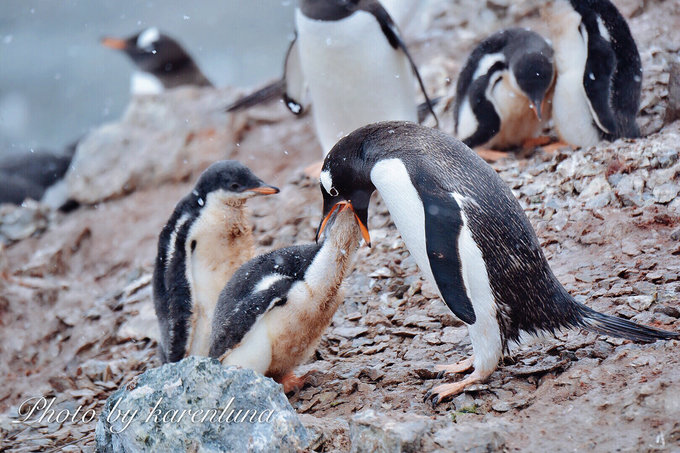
{"x":468,"y":235}
{"x":599,"y":72}
{"x":503,"y":90}
{"x":161,"y":61}
{"x":273,"y":311}
{"x":205,"y":240}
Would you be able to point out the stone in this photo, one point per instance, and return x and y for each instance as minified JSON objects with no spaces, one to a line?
{"x":373,"y":432}
{"x":199,"y":405}
{"x":21,"y":222}
{"x":666,"y":193}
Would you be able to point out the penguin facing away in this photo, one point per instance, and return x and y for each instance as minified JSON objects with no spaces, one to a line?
{"x":207,"y":237}
{"x":468,"y":235}
{"x":503,"y":90}
{"x":272,"y":313}
{"x":599,"y":72}
{"x":352,"y":59}
{"x":161,"y":61}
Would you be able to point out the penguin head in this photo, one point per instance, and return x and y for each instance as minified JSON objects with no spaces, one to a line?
{"x":534,"y":73}
{"x":151,"y":51}
{"x":230,"y":182}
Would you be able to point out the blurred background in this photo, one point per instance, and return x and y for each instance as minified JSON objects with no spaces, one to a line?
{"x":57,"y":81}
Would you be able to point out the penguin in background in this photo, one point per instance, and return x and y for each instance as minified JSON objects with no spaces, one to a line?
{"x":272,"y":313}
{"x":599,"y":72}
{"x":205,"y":240}
{"x":351,"y":58}
{"x":161,"y":62}
{"x":503,"y":91}
{"x":469,"y":237}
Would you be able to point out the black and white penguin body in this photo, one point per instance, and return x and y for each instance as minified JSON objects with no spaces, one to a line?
{"x":272,"y":313}
{"x":30,"y":174}
{"x":468,"y":235}
{"x":503,"y":90}
{"x":350,"y":57}
{"x":161,"y":61}
{"x":599,"y":72}
{"x":205,"y":240}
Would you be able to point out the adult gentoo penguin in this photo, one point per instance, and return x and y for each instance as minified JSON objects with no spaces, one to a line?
{"x":599,"y":73}
{"x":503,"y":90}
{"x":161,"y":61}
{"x":205,"y":240}
{"x":350,"y":56}
{"x":271,"y":314}
{"x":469,"y":236}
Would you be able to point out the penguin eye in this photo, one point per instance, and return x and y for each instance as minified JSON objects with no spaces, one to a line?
{"x":333,"y":192}
{"x":234,"y":186}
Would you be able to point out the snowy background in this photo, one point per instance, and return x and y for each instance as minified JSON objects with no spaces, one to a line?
{"x":57,"y":81}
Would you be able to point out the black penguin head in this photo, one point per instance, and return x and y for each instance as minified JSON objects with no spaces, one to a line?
{"x":231,"y":182}
{"x":534,"y":74}
{"x":151,"y":51}
{"x":346,"y":180}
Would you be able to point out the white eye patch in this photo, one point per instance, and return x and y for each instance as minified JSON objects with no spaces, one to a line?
{"x":148,"y":38}
{"x":327,"y":182}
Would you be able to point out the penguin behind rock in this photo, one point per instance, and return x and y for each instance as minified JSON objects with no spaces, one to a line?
{"x":468,"y":235}
{"x":599,"y":73}
{"x":205,"y":240}
{"x":503,"y":90}
{"x":272,"y":313}
{"x":161,"y":61}
{"x":355,"y":64}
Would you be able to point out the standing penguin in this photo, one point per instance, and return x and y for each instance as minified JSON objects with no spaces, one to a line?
{"x":468,"y":235}
{"x":271,"y":314}
{"x":350,"y":56}
{"x":502,"y":90}
{"x":599,"y":73}
{"x":205,"y":240}
{"x":161,"y":61}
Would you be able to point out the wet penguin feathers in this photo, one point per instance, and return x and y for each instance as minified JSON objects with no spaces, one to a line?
{"x":256,"y":287}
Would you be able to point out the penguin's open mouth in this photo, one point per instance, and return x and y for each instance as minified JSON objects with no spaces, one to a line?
{"x":114,"y":43}
{"x":264,"y":190}
{"x":343,"y":205}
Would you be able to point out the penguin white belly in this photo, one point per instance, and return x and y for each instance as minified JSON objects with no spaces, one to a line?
{"x":254,"y":351}
{"x":143,"y":83}
{"x":518,"y":121}
{"x":354,"y":76}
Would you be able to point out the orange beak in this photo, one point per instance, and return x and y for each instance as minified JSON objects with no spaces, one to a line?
{"x":264,"y":190}
{"x":343,"y":205}
{"x":114,"y":43}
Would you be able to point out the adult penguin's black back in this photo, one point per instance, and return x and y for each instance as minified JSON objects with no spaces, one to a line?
{"x":452,"y":180}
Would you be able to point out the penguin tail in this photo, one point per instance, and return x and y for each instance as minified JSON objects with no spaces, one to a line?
{"x":600,"y":323}
{"x":268,"y":93}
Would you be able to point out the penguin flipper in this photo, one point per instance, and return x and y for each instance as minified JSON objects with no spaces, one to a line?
{"x":597,"y":81}
{"x":267,"y":93}
{"x":443,"y":225}
{"x":293,"y":79}
{"x":389,"y":28}
{"x":488,"y":121}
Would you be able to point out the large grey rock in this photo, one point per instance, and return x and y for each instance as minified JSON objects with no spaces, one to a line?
{"x":160,"y":138}
{"x":159,"y":402}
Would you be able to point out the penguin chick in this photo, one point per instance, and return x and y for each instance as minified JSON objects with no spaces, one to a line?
{"x":599,"y":73}
{"x":503,"y":89}
{"x":161,"y":61}
{"x":469,"y":237}
{"x":271,"y":314}
{"x":206,"y":239}
{"x":352,"y":59}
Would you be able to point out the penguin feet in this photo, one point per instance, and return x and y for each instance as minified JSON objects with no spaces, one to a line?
{"x":535,"y":142}
{"x":453,"y":368}
{"x":445,"y":391}
{"x":551,"y":148}
{"x":491,"y":155}
{"x":292,"y":383}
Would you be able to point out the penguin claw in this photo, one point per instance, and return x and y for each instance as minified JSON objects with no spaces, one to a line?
{"x":441,"y":374}
{"x":427,"y":396}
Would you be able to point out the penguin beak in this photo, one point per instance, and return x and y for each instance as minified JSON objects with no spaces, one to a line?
{"x":114,"y":43}
{"x":343,"y":205}
{"x":264,"y":190}
{"x":535,"y":106}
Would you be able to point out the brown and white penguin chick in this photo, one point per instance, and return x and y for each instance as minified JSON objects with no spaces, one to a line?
{"x":205,"y":240}
{"x":273,"y":311}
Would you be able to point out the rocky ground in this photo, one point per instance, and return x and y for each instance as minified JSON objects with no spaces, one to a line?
{"x":75,"y":297}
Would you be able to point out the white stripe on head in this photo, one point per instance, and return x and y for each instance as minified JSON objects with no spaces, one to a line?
{"x":267,"y":282}
{"x":148,"y":37}
{"x":326,"y":180}
{"x":486,"y":62}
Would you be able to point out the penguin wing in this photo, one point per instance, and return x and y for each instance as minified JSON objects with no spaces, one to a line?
{"x":443,"y":226}
{"x":391,"y":32}
{"x":488,"y":121}
{"x":293,"y":79}
{"x":597,"y":81}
